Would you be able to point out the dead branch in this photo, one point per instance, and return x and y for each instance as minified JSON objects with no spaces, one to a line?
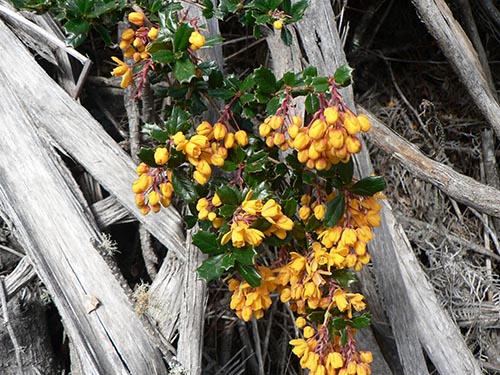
{"x":462,"y":188}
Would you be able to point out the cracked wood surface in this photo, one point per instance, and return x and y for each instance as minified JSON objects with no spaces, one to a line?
{"x":56,"y":228}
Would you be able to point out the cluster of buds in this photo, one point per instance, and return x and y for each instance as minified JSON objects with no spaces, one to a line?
{"x":153,"y":188}
{"x":209,"y":146}
{"x":321,"y":356}
{"x":248,"y":301}
{"x":207,"y":210}
{"x":346,"y":241}
{"x":134,"y":43}
{"x":241,"y":232}
{"x":329,"y":138}
{"x":196,"y":40}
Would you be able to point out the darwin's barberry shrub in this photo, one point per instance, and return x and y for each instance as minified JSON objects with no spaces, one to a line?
{"x":269,"y":190}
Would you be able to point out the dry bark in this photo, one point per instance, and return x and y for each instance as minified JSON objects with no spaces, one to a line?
{"x":54,"y":224}
{"x":462,"y":188}
{"x":458,"y":49}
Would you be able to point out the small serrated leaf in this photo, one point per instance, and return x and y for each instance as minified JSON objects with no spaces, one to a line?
{"x":146,"y":155}
{"x":245,"y":255}
{"x":183,"y":186}
{"x":343,"y":75}
{"x":334,"y":210}
{"x":361,"y":321}
{"x":249,"y":273}
{"x":207,"y":242}
{"x":228,"y":195}
{"x":344,"y":277}
{"x":311,"y":103}
{"x":184,"y":70}
{"x":214,"y":267}
{"x":368,"y":186}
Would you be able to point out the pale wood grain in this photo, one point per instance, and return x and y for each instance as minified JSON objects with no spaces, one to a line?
{"x":52,"y":222}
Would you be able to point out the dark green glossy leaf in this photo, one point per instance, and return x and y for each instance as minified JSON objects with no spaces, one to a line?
{"x":245,"y":255}
{"x":286,"y":36}
{"x":228,"y":195}
{"x":311,"y":103}
{"x":164,"y":56}
{"x":190,"y":221}
{"x":179,"y":120}
{"x":338,"y":322}
{"x":221,"y":93}
{"x":346,"y":171}
{"x":368,"y":185}
{"x":160,"y":135}
{"x":310,"y":71}
{"x":344,"y":277}
{"x":214,"y":267}
{"x":207,"y":242}
{"x":146,"y":155}
{"x":249,"y":273}
{"x":183,"y":186}
{"x":361,"y":321}
{"x":184,"y":70}
{"x":181,"y":37}
{"x":213,"y":40}
{"x":273,"y":105}
{"x":104,"y":33}
{"x":290,"y":207}
{"x":343,"y":75}
{"x":312,"y":224}
{"x":289,"y":78}
{"x":343,"y":337}
{"x":334,"y":210}
{"x":265,"y":80}
{"x":227,"y":210}
{"x":247,"y":83}
{"x":77,"y":30}
{"x":320,"y":84}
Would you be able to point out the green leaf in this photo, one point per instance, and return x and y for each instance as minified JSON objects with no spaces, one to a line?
{"x":298,"y":10}
{"x":221,"y":93}
{"x":343,"y":337}
{"x":104,"y":33}
{"x":228,"y":195}
{"x":310,"y":71}
{"x":257,"y":162}
{"x":102,"y":8}
{"x":320,"y":84}
{"x":312,"y":224}
{"x":311,"y":103}
{"x":289,"y":78}
{"x":190,"y":221}
{"x":184,"y":70}
{"x":213,"y":40}
{"x":147,"y":155}
{"x":247,"y":83}
{"x":344,"y":277}
{"x":286,"y":36}
{"x":338,"y":322}
{"x":181,"y":37}
{"x":249,"y":273}
{"x":229,"y":166}
{"x":265,"y":80}
{"x":227,"y":210}
{"x":345,"y":171}
{"x":214,"y":267}
{"x":245,"y":255}
{"x":183,"y":186}
{"x":160,"y":135}
{"x":343,"y":75}
{"x":368,"y":186}
{"x":334,"y":210}
{"x":77,"y":30}
{"x":273,"y":105}
{"x":290,"y":207}
{"x":361,"y":321}
{"x":178,"y":121}
{"x":164,"y":56}
{"x":207,"y":242}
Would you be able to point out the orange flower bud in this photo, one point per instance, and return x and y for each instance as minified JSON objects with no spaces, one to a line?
{"x":351,"y":124}
{"x":124,"y":44}
{"x":331,"y":115}
{"x":278,"y":24}
{"x":317,"y":130}
{"x":241,"y":137}
{"x":153,"y":33}
{"x":128,"y":34}
{"x":136,"y":18}
{"x":264,"y":129}
{"x":353,"y":145}
{"x":154,"y":198}
{"x":229,"y":140}
{"x":220,"y":131}
{"x":197,"y":40}
{"x":161,"y":155}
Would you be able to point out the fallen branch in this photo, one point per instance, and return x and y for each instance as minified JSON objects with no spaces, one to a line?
{"x":462,"y":188}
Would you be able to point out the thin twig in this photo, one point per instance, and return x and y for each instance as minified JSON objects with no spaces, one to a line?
{"x":487,"y":228}
{"x":258,"y":348}
{"x":6,"y":322}
{"x":12,"y":251}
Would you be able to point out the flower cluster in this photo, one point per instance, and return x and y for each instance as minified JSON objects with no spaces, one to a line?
{"x":153,"y":188}
{"x":207,"y":210}
{"x":322,"y":356}
{"x":242,"y":233}
{"x":209,"y":146}
{"x":248,"y":301}
{"x":135,"y":43}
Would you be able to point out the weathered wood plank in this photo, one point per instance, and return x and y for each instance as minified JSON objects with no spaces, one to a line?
{"x":76,"y":131}
{"x":411,"y":304}
{"x":51,"y":223}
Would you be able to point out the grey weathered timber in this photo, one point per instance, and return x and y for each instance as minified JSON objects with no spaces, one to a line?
{"x":415,"y":314}
{"x":458,"y":49}
{"x":81,"y":136}
{"x":463,"y":189}
{"x":52,"y":224}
